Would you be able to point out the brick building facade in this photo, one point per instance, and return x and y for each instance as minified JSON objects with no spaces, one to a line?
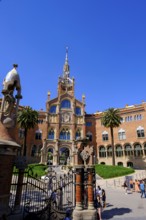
{"x":65,"y":121}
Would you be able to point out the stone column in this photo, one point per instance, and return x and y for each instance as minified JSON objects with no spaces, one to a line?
{"x":55,"y":158}
{"x":78,"y":189}
{"x":90,"y":190}
{"x":79,"y":213}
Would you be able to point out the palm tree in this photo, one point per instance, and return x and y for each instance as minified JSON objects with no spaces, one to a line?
{"x":27,"y":119}
{"x":111,"y":119}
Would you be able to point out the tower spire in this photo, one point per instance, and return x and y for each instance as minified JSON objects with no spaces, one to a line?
{"x":66,"y":65}
{"x":66,"y":57}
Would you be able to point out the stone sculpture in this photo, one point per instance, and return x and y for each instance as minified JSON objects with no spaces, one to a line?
{"x":86,"y":153}
{"x":11,"y":96}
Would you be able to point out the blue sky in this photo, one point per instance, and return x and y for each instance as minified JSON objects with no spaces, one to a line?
{"x":107,"y":49}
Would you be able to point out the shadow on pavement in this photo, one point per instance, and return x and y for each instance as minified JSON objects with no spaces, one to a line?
{"x":109,"y":214}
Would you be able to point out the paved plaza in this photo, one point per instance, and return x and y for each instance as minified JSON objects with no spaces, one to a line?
{"x":121,"y":206}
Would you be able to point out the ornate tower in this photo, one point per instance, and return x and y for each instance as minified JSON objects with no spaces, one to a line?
{"x":65,"y":119}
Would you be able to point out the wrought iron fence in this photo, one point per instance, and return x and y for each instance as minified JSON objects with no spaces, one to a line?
{"x":36,"y":195}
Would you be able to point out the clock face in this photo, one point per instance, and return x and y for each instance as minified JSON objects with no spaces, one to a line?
{"x":66,"y":117}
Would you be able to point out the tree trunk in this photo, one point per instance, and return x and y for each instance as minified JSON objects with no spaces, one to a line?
{"x":19,"y":189}
{"x":25,"y":137}
{"x":113,"y":149}
{"x":20,"y":177}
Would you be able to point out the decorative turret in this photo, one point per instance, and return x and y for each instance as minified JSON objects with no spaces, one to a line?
{"x":49,"y":93}
{"x":83,"y":99}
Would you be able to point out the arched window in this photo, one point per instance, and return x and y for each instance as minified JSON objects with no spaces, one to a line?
{"x":89,"y":136}
{"x":128,"y":118}
{"x":129,"y":164}
{"x":64,"y":134}
{"x":105,"y":136}
{"x":53,"y":109}
{"x":65,"y":104}
{"x":128,"y":150}
{"x":38,"y":135}
{"x":119,"y":151}
{"x":138,"y":150}
{"x":21,"y":133}
{"x":102,"y":151}
{"x":137,"y":117}
{"x":109,"y":151}
{"x":140,"y":132}
{"x":120,"y":164}
{"x":78,"y":134}
{"x":78,"y":111}
{"x":40,"y":121}
{"x":121,"y":134}
{"x":103,"y":163}
{"x":122,"y":120}
{"x":34,"y":151}
{"x":51,"y":134}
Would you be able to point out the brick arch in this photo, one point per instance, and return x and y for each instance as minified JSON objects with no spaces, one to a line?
{"x":135,"y":143}
{"x":102,"y":151}
{"x":50,"y":146}
{"x":127,"y":143}
{"x":130,"y":164}
{"x":118,"y":144}
{"x":128,"y":149}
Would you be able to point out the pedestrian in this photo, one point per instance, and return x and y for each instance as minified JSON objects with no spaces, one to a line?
{"x":99,"y":207}
{"x":131,"y":185}
{"x":103,"y":198}
{"x":54,"y":197}
{"x":142,"y":188}
{"x":67,"y":217}
{"x":137,"y":186}
{"x":99,"y":191}
{"x":125,"y":185}
{"x":68,"y":213}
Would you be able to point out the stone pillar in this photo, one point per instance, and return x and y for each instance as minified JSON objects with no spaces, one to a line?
{"x":78,"y":189}
{"x":55,"y":158}
{"x":79,"y":213}
{"x":90,"y":190}
{"x":44,"y":153}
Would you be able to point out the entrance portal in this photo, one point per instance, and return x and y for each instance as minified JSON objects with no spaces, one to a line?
{"x":64,"y":156}
{"x":50,"y":157}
